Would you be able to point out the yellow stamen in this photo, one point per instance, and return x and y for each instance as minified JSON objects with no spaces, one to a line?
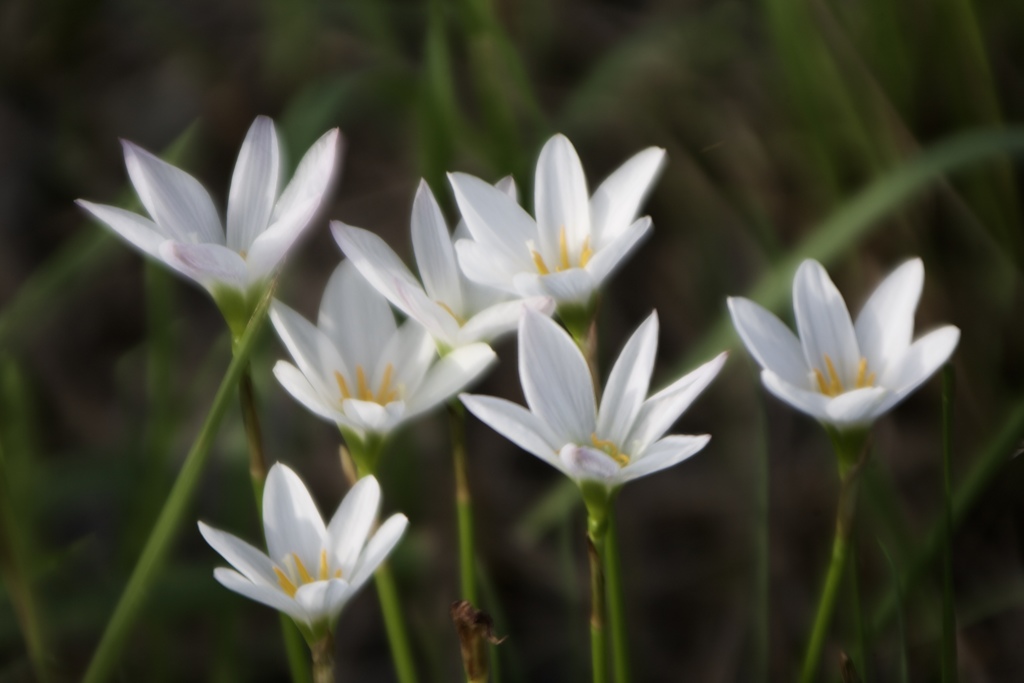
{"x":563,"y":251}
{"x":835,"y":386}
{"x":822,"y":386}
{"x":303,"y":574}
{"x":286,"y":584}
{"x":385,"y":394}
{"x":862,"y":370}
{"x":459,"y":319}
{"x":586,"y":252}
{"x":337,"y":574}
{"x":539,"y":262}
{"x":342,"y":385}
{"x":323,"y":565}
{"x":362,"y":386}
{"x":611,"y":449}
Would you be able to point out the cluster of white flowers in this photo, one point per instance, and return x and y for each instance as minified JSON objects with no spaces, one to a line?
{"x":502,"y":269}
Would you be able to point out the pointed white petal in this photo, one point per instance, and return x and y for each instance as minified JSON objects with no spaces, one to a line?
{"x":378,"y":548}
{"x":350,"y":526}
{"x":267,"y":595}
{"x":495,"y":220}
{"x":437,"y":319}
{"x":313,"y":176}
{"x":491,"y":323}
{"x":770,"y":342}
{"x":377,"y":262}
{"x":555,"y":377}
{"x":573,"y":286}
{"x":323,"y":600}
{"x":313,"y":352}
{"x":450,"y":375}
{"x":291,"y":521}
{"x":482,"y":264}
{"x":617,"y":200}
{"x":173,"y":198}
{"x":141,"y":232}
{"x":824,"y":323}
{"x":211,"y":265}
{"x":356,"y":317}
{"x":299,"y":386}
{"x":608,"y":258}
{"x":811,"y":402}
{"x":250,"y":561}
{"x":371,"y":416}
{"x":560,"y":197}
{"x":628,"y":381}
{"x":508,"y":186}
{"x":254,"y":185}
{"x":663,"y":454}
{"x":919,"y":362}
{"x":435,"y":255}
{"x":517,"y":424}
{"x":857,"y":407}
{"x":885,"y":325}
{"x":584,"y":463}
{"x":661,"y":410}
{"x":270,"y":248}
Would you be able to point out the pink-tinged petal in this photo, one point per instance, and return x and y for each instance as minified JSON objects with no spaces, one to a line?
{"x":139,"y":231}
{"x":561,"y":198}
{"x":885,"y":325}
{"x":291,"y":521}
{"x":517,"y":424}
{"x":617,"y":200}
{"x":254,"y":185}
{"x":824,"y":323}
{"x":663,"y":454}
{"x":626,"y":390}
{"x":174,"y":199}
{"x":769,"y":341}
{"x":584,"y":463}
{"x":211,"y":265}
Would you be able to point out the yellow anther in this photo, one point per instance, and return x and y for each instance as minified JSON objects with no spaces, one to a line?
{"x":539,"y":262}
{"x":610,"y":449}
{"x":586,"y":252}
{"x":459,"y":319}
{"x":563,"y":251}
{"x":822,"y":385}
{"x":362,"y":386}
{"x":323,"y":575}
{"x":286,"y":584}
{"x":337,"y":573}
{"x":835,"y":385}
{"x":386,"y":394}
{"x":862,"y":371}
{"x":342,"y":385}
{"x":301,"y":568}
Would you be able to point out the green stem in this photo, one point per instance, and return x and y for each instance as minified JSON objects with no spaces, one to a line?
{"x":463,"y":504}
{"x":598,"y":639}
{"x":323,"y":659}
{"x":177,"y":504}
{"x":616,"y":601}
{"x":253,"y":435}
{"x":401,"y":652}
{"x":949,"y":655}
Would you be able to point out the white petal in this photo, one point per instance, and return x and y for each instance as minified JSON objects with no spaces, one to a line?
{"x":250,"y":561}
{"x":270,"y":248}
{"x":617,"y":200}
{"x":555,"y":377}
{"x":378,"y":548}
{"x":517,"y":424}
{"x":813,"y":403}
{"x":350,"y":526}
{"x":770,"y":342}
{"x":371,"y":416}
{"x":573,"y":286}
{"x":588,"y":464}
{"x":856,"y":407}
{"x":173,"y":198}
{"x":312,"y":177}
{"x":450,"y":375}
{"x":312,"y":351}
{"x":323,"y":600}
{"x":661,"y":410}
{"x":824,"y":323}
{"x":495,"y":220}
{"x":663,"y":454}
{"x":410,"y":352}
{"x":919,"y":362}
{"x":291,"y":521}
{"x":437,"y":319}
{"x":628,"y":381}
{"x":435,"y":255}
{"x":267,"y":595}
{"x":482,"y":264}
{"x":299,"y":386}
{"x":508,"y":186}
{"x":885,"y":325}
{"x":608,"y":258}
{"x":560,"y":197}
{"x":141,"y":232}
{"x":493,"y":322}
{"x":254,"y":185}
{"x":356,"y":317}
{"x":211,"y":265}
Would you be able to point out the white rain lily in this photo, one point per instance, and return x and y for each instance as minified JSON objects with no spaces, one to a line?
{"x":575,"y":242}
{"x":611,"y":444}
{"x":361,"y":370}
{"x":841,"y":373}
{"x":454,"y":309}
{"x":311,"y":569}
{"x":185,"y":231}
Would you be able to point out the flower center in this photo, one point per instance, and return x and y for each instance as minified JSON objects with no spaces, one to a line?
{"x":610,"y":449}
{"x":833,"y":386}
{"x":298,"y":575}
{"x":564,"y":262}
{"x":385,"y":392}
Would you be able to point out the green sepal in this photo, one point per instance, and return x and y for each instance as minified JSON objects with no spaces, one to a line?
{"x":365,"y":449}
{"x":578,"y":317}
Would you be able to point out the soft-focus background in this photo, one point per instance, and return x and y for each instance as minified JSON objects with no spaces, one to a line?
{"x":774,"y":115}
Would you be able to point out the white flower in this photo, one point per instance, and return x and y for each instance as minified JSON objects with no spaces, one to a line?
{"x":610,"y":445}
{"x":455,"y":310}
{"x":359,"y":369}
{"x":574,"y":244}
{"x":843,"y":374}
{"x":262,"y":223}
{"x":312,"y":569}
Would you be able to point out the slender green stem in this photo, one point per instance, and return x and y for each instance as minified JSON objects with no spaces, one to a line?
{"x":616,"y":601}
{"x":861,"y":654}
{"x":323,"y":659}
{"x":598,"y":638}
{"x":253,"y":434}
{"x":394,"y":623}
{"x":463,"y":504}
{"x":949,"y":655}
{"x":165,"y":530}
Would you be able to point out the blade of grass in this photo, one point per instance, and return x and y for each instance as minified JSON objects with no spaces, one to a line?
{"x":901,"y":627}
{"x":949,"y":674}
{"x":155,"y":552}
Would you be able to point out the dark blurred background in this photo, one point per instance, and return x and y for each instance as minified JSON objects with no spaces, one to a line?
{"x":774,"y":115}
